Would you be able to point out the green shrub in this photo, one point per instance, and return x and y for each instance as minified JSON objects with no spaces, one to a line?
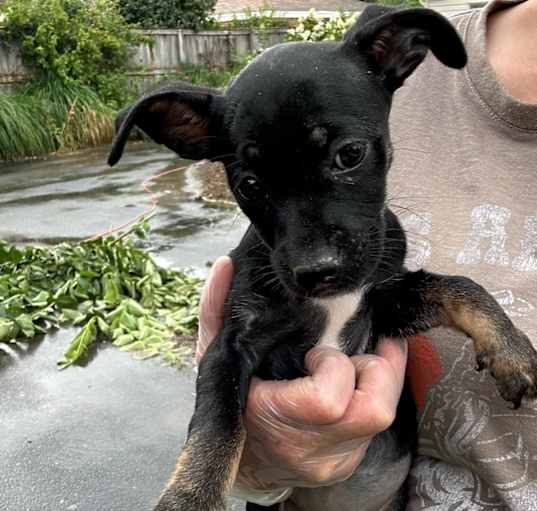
{"x":23,"y":128}
{"x":205,"y":75}
{"x":210,"y":76}
{"x":263,"y":19}
{"x":48,"y":116}
{"x":76,"y":115}
{"x":402,"y":3}
{"x":84,"y":41}
{"x":193,"y":14}
{"x":312,"y":28}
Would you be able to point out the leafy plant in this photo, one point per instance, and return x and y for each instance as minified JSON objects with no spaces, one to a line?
{"x":76,"y":116}
{"x":313,"y":28}
{"x":82,"y":41}
{"x":109,"y":287}
{"x":193,"y":14}
{"x":49,"y":115}
{"x":262,"y":19}
{"x":402,"y":3}
{"x":23,"y":128}
{"x":216,"y":77}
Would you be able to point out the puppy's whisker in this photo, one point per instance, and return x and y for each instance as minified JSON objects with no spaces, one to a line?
{"x":275,"y":284}
{"x":262,"y":275}
{"x":233,"y":164}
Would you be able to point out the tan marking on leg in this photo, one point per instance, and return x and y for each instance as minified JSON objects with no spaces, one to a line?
{"x":206,"y":472}
{"x":235,"y":463}
{"x":474,"y":323}
{"x":499,"y":346}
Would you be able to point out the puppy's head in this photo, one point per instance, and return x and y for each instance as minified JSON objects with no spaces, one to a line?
{"x":303,"y":132}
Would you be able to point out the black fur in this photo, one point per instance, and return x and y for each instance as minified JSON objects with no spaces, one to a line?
{"x":303,"y":132}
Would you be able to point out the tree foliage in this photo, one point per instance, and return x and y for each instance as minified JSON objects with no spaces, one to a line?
{"x":193,"y":14}
{"x":264,"y":18}
{"x":314,"y":28}
{"x":84,"y":41}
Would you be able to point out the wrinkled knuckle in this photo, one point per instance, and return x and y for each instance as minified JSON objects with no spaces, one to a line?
{"x":329,"y":408}
{"x":381,"y":364}
{"x":350,"y":465}
{"x":330,"y":404}
{"x":342,"y":476}
{"x":320,"y":475}
{"x":382,"y":416}
{"x":341,"y":358}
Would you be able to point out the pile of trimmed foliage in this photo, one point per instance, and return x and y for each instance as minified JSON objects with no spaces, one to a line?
{"x":110,"y":288}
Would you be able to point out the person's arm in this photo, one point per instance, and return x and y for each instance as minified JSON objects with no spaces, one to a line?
{"x":311,"y":431}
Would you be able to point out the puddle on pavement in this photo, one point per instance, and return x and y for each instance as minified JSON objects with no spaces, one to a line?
{"x":103,"y":437}
{"x":77,"y":196}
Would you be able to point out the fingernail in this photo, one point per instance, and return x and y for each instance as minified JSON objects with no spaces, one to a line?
{"x":398,"y":342}
{"x":214,"y":268}
{"x":219,"y":263}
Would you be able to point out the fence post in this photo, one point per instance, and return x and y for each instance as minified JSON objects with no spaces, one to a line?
{"x":251,"y":40}
{"x":229,"y":49}
{"x":181,"y":40}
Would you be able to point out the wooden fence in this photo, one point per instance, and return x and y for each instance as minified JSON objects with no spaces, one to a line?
{"x":12,"y":69}
{"x":170,"y":49}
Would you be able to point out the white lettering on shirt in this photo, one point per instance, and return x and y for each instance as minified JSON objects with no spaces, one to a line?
{"x":488,"y":224}
{"x":527,"y":260}
{"x":419,"y":248}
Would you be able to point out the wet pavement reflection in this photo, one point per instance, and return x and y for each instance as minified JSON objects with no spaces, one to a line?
{"x":77,"y":196}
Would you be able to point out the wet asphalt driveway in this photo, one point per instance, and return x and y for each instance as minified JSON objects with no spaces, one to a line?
{"x":103,"y":437}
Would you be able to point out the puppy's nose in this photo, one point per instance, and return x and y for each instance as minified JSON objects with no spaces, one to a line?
{"x":317,"y":276}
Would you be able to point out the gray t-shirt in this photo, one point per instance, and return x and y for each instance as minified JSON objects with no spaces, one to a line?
{"x":464,"y":183}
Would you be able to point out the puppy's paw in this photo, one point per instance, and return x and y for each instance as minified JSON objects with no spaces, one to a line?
{"x":513,"y":363}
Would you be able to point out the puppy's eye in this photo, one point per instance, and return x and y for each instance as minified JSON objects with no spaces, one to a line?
{"x":250,"y":189}
{"x":349,"y":156}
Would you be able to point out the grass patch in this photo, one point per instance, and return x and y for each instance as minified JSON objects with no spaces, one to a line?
{"x":78,"y":118}
{"x":50,"y":116}
{"x":109,"y":287}
{"x":23,"y":128}
{"x":209,"y":76}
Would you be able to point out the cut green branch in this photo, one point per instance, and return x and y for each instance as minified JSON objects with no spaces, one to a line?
{"x":109,"y":287}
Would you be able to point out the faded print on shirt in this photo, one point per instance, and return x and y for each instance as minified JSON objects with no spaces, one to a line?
{"x":463,"y":422}
{"x":464,"y":184}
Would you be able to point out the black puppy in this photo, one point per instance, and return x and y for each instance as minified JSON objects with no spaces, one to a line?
{"x":303,"y":132}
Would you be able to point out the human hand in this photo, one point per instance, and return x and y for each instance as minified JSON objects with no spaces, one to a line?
{"x":213,"y":296}
{"x":311,"y":431}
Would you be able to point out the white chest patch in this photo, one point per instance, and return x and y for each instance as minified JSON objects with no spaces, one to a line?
{"x":338,"y":309}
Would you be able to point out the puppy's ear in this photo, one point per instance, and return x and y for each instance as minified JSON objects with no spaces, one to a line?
{"x":185,"y":119}
{"x":396,"y":41}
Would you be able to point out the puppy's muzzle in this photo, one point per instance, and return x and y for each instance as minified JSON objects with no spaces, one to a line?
{"x":317,"y":276}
